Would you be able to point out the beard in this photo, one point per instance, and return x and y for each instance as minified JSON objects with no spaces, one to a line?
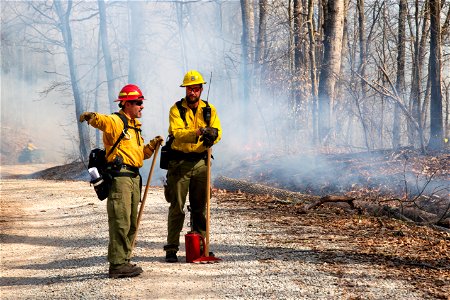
{"x":192,"y":99}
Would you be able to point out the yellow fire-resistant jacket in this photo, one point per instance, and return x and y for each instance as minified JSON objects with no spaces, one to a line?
{"x":131,"y":148}
{"x":186,"y":139}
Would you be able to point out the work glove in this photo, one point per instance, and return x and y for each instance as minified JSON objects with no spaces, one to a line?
{"x":211,"y":132}
{"x":207,"y":142}
{"x":157,"y":140}
{"x":209,"y":135}
{"x":86,"y":116}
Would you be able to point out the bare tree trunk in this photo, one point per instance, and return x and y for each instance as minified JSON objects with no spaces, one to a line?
{"x":333,"y":33}
{"x":417,"y":77}
{"x":97,"y":84}
{"x":362,"y":46}
{"x":291,"y":52}
{"x":136,"y":10}
{"x":260,"y":48}
{"x":423,"y":105}
{"x":447,"y":113}
{"x":396,"y":127}
{"x":381,"y":76}
{"x":180,"y":21}
{"x":362,"y":67}
{"x":251,"y":32}
{"x":426,"y":101}
{"x":400,"y":82}
{"x":106,"y":54}
{"x":313,"y":67}
{"x":446,"y":26}
{"x":79,"y":103}
{"x":446,"y":88}
{"x":246,"y":55}
{"x":297,"y":23}
{"x":436,"y":129}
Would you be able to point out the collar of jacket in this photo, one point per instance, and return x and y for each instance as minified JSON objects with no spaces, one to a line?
{"x":136,"y":123}
{"x":201,"y":103}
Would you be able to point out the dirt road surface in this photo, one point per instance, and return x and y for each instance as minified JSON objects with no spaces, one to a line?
{"x":54,"y":240}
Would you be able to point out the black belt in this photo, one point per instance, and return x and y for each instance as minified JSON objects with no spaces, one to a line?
{"x":117,"y":173}
{"x":191,"y":156}
{"x":130,"y":168}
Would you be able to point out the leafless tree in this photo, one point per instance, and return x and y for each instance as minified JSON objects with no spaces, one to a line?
{"x":260,"y":49}
{"x":135,"y":53}
{"x":103,"y":32}
{"x":421,"y":33}
{"x":294,"y":52}
{"x":246,"y":44}
{"x":313,"y":67}
{"x":298,"y":48}
{"x":63,"y":14}
{"x":400,"y":82}
{"x":436,"y":129}
{"x":331,"y":64}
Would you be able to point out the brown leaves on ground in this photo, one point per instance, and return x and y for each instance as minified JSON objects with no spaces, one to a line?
{"x":341,"y":237}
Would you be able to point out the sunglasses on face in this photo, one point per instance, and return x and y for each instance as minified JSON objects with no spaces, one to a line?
{"x":193,"y":89}
{"x":137,"y":102}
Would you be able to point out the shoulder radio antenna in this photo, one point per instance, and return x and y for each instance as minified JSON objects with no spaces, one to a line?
{"x":209,"y":86}
{"x":207,"y":108}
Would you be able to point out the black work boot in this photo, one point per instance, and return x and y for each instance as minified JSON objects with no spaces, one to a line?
{"x":125,"y":270}
{"x":171,"y":256}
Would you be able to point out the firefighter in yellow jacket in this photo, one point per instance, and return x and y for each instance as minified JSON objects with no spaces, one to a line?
{"x":194,"y":133}
{"x":123,"y":164}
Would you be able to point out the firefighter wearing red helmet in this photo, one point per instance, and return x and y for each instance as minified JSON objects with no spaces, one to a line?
{"x":130,"y":92}
{"x":123,"y":166}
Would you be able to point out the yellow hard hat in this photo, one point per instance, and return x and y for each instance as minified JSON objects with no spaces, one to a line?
{"x":192,"y":77}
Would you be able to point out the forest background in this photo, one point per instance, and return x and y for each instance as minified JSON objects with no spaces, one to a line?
{"x":287,"y":77}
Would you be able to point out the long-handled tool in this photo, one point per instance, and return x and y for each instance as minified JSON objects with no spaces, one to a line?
{"x":207,"y":258}
{"x":141,"y":209}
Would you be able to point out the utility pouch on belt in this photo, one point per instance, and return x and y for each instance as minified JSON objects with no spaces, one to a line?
{"x":166,"y":151}
{"x":116,"y":164}
{"x":97,"y":169}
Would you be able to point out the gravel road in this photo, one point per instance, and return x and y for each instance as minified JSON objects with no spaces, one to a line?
{"x":54,"y":241}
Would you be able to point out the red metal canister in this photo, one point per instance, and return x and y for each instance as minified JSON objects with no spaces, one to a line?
{"x":194,"y":243}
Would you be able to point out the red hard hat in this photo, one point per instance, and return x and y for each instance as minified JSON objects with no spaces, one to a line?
{"x":130,"y":92}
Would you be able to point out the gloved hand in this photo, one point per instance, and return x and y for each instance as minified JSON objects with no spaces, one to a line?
{"x":211,"y":132}
{"x":207,"y":141}
{"x":86,"y":116}
{"x":209,"y":135}
{"x":157,"y":140}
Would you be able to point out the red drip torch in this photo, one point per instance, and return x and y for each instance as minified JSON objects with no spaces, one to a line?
{"x":194,"y":249}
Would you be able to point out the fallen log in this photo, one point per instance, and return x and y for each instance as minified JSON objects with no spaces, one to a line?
{"x":411,"y":215}
{"x":332,"y":199}
{"x":236,"y":185}
{"x":308,"y":202}
{"x":420,"y":216}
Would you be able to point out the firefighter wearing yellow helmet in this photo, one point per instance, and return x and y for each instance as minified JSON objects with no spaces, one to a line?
{"x":195,"y":126}
{"x":124,"y":162}
{"x":192,"y":77}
